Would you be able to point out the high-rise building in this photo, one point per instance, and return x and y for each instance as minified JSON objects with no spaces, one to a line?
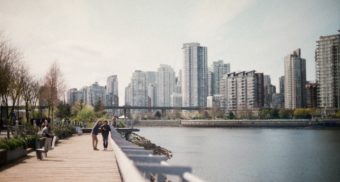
{"x":269,"y":90}
{"x":95,"y":94}
{"x":210,"y":83}
{"x":282,"y":85}
{"x":151,"y":84}
{"x":295,"y":80}
{"x":311,"y":95}
{"x":139,"y":89}
{"x":165,"y":84}
{"x":242,"y":90}
{"x":195,"y":75}
{"x":327,"y":58}
{"x":128,"y":95}
{"x":176,"y":96}
{"x":112,"y":98}
{"x":219,"y":69}
{"x":71,"y":96}
{"x":152,"y":95}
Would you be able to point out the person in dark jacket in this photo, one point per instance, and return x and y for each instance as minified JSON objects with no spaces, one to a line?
{"x":95,"y":132}
{"x":105,"y":129}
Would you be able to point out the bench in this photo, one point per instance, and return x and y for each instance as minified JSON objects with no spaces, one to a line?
{"x":49,"y":144}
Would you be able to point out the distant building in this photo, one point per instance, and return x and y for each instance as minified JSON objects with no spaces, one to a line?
{"x":327,"y":59}
{"x":242,"y":90}
{"x":277,"y":101}
{"x":311,"y":95}
{"x":165,"y":84}
{"x":295,"y":80}
{"x":71,"y":96}
{"x":139,"y":89}
{"x":219,"y":69}
{"x":176,"y":96}
{"x":269,"y":90}
{"x":194,"y":75}
{"x":95,"y":94}
{"x":215,"y":101}
{"x":210,"y":82}
{"x":152,"y":95}
{"x":128,"y":95}
{"x":112,"y":98}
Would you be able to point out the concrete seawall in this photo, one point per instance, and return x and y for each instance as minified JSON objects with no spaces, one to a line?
{"x":238,"y":123}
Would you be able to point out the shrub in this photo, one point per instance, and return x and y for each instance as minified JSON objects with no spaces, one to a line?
{"x":64,"y":131}
{"x":13,"y":143}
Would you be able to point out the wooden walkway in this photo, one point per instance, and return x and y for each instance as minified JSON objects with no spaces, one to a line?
{"x":71,"y":160}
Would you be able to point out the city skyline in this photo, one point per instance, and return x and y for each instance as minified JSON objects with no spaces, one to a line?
{"x":91,"y":41}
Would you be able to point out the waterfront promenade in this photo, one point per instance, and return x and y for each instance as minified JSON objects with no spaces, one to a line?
{"x":72,"y":159}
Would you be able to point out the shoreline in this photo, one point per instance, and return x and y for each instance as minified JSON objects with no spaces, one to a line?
{"x":273,"y":123}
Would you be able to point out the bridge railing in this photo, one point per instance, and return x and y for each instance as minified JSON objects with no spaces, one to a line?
{"x":138,"y":164}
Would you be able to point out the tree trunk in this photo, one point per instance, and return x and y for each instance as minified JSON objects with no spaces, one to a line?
{"x":27,"y":113}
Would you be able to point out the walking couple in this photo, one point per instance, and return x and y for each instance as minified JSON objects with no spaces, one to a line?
{"x":100,"y":127}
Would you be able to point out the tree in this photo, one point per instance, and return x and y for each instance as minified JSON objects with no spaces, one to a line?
{"x":86,"y":114}
{"x":30,"y":94}
{"x":54,"y":88}
{"x":63,"y":110}
{"x":9,"y":61}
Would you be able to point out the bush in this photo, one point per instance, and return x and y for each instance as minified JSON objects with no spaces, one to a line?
{"x":63,"y":131}
{"x":13,"y":143}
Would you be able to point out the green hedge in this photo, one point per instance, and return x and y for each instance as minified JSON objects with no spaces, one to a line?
{"x":16,"y":142}
{"x":63,"y":131}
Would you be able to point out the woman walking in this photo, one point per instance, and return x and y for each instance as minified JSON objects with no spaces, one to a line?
{"x":95,"y":131}
{"x":105,"y":133}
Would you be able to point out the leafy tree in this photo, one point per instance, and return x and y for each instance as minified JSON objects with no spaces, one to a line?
{"x":285,"y":113}
{"x":86,"y":114}
{"x":230,"y":115}
{"x":63,"y":110}
{"x":303,"y":113}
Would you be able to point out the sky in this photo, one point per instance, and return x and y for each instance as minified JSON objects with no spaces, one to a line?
{"x":91,"y":40}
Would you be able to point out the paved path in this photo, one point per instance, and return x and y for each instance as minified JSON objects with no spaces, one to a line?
{"x":71,"y":160}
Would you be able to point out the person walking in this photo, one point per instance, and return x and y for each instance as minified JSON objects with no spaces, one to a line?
{"x":105,"y":129}
{"x":94,"y":133}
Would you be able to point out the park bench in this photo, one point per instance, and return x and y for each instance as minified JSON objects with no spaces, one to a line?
{"x":49,"y":144}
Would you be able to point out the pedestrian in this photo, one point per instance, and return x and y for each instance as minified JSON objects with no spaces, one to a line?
{"x":47,"y":131}
{"x":94,"y":133}
{"x":114,"y":122}
{"x":105,"y":129}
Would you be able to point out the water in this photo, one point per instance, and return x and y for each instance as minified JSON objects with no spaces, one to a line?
{"x":229,"y":154}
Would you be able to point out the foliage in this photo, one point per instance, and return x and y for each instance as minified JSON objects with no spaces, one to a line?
{"x":337,"y":114}
{"x":13,"y":143}
{"x":285,"y":113}
{"x":86,"y":114}
{"x":230,"y":115}
{"x":303,"y":113}
{"x":63,"y":131}
{"x":63,"y":110}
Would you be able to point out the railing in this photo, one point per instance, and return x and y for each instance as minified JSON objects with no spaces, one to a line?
{"x":138,"y":164}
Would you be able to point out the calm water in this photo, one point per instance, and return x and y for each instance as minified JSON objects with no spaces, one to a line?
{"x":225,"y":154}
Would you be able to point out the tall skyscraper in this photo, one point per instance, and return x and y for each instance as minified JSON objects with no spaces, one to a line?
{"x":151,"y":84}
{"x":112,"y":98}
{"x":311,"y":95}
{"x":219,"y":69}
{"x":295,"y":80}
{"x":282,"y":85}
{"x":195,"y":75}
{"x":95,"y":94}
{"x":176,"y":96}
{"x":74,"y":95}
{"x":210,"y":82}
{"x":165,"y":84}
{"x":128,"y":95}
{"x":139,"y":89}
{"x":327,"y":58}
{"x":242,"y":90}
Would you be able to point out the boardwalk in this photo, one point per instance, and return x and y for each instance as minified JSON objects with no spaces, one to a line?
{"x":72,"y":160}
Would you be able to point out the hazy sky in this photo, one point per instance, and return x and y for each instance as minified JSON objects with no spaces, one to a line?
{"x":92,"y":40}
